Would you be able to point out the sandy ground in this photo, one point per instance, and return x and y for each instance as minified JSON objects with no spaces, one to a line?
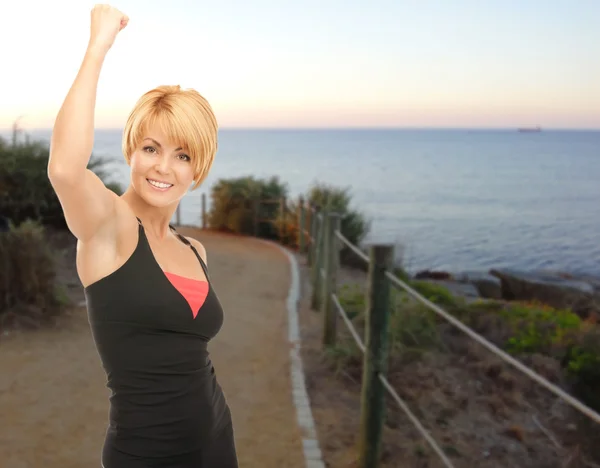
{"x":53,"y":399}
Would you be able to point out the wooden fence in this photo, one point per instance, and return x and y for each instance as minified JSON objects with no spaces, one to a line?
{"x":256,"y":210}
{"x":320,"y":239}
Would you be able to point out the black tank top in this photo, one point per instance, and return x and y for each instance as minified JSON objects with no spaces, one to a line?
{"x":165,"y":399}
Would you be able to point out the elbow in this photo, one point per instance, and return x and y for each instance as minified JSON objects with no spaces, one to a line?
{"x":58,"y":173}
{"x":62,"y":168}
{"x":55,"y":172}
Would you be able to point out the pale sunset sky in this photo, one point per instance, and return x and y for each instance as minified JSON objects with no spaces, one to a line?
{"x":318,"y":63}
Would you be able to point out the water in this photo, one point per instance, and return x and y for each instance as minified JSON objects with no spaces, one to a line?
{"x":450,"y":199}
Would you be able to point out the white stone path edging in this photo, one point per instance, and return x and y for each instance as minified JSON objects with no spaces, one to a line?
{"x":310,"y":441}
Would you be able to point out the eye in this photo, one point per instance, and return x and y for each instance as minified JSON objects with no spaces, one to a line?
{"x":184,"y":157}
{"x":148,"y":148}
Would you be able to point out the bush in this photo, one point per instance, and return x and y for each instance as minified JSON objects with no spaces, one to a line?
{"x":434,"y":292}
{"x":524,"y":328}
{"x":286,"y":224}
{"x":537,"y":328}
{"x":563,"y":335}
{"x":28,"y":289}
{"x":582,"y":361}
{"x":233,"y":206}
{"x":25,"y":189}
{"x":354,"y":225}
{"x":412,"y":326}
{"x":234,"y":202}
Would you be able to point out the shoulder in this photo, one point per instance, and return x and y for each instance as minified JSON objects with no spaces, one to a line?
{"x":199,"y":247}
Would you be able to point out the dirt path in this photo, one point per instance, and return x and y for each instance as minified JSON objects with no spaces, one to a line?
{"x":53,"y":399}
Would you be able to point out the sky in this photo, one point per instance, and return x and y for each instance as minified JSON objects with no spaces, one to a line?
{"x":318,"y":63}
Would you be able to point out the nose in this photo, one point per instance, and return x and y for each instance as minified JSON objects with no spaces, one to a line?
{"x":163,"y":164}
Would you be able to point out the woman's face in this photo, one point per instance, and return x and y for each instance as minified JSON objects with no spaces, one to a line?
{"x":161,"y":171}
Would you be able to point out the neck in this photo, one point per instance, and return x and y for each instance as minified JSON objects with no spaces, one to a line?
{"x":155,"y":219}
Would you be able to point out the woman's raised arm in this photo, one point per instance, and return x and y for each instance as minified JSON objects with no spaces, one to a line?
{"x":87,"y":204}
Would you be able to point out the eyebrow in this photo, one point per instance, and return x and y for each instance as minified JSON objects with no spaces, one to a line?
{"x":158,"y":144}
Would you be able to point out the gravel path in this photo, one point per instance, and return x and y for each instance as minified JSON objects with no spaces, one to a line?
{"x":53,"y":399}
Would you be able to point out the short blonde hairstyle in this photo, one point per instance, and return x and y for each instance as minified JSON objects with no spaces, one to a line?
{"x":182,"y":114}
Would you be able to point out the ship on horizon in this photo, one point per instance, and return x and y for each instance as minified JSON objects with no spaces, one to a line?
{"x":530,"y":129}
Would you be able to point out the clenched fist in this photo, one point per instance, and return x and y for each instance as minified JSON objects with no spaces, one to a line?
{"x":107,"y":22}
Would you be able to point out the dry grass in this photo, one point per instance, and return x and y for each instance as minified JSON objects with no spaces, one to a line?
{"x":479,"y":410}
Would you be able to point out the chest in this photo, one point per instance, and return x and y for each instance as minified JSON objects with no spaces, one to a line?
{"x":175,"y":257}
{"x":169,"y":306}
{"x":142,"y":294}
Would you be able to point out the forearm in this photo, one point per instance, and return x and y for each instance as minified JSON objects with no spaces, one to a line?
{"x":73,"y":134}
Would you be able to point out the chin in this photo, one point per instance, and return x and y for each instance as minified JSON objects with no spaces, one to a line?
{"x":158,"y":203}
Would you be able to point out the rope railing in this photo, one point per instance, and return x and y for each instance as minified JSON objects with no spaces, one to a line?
{"x":320,"y":237}
{"x":352,"y":247}
{"x":494,"y":349}
{"x":348,"y":322}
{"x":480,"y":339}
{"x":391,"y":391}
{"x":430,"y":440}
{"x":327,"y":242}
{"x":403,"y":406}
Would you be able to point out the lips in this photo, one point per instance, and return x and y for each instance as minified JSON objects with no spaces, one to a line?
{"x":159,"y":185}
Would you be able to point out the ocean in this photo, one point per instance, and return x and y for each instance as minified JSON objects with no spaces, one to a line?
{"x":448,"y":199}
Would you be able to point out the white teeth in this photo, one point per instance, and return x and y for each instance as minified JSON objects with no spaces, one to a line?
{"x":159,"y":184}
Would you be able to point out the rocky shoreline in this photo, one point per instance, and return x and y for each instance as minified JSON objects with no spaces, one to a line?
{"x":580,"y":293}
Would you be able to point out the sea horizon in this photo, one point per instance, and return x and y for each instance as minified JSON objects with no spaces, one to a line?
{"x":454,"y":199}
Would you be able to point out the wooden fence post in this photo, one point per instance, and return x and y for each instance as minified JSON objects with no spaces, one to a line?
{"x":301,"y":225}
{"x":331,"y":256}
{"x":255,"y":210}
{"x":203,"y":211}
{"x":282,"y":213}
{"x":310,"y":221}
{"x":376,"y":356}
{"x":317,"y":278}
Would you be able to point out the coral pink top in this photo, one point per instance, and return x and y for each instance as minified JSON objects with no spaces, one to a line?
{"x":194,"y":291}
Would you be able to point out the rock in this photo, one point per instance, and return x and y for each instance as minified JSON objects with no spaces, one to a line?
{"x":549,"y":288}
{"x":433,"y":275}
{"x":593,"y":281}
{"x":488,"y":286}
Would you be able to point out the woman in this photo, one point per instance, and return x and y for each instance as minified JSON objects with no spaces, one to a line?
{"x":151,"y":306}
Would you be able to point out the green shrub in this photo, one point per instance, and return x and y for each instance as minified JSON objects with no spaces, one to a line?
{"x":25,"y":190}
{"x":28,"y":289}
{"x":532,"y":328}
{"x":353,"y":300}
{"x":434,"y":292}
{"x":286,"y":225}
{"x":354,"y":225}
{"x":537,"y":328}
{"x":582,"y":362}
{"x":412,"y":326}
{"x":237,"y":204}
{"x":402,"y":274}
{"x":233,"y":203}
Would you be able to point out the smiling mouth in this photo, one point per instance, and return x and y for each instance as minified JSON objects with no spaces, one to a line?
{"x":162,"y":186}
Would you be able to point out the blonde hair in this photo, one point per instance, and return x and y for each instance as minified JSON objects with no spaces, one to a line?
{"x":185,"y":116}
